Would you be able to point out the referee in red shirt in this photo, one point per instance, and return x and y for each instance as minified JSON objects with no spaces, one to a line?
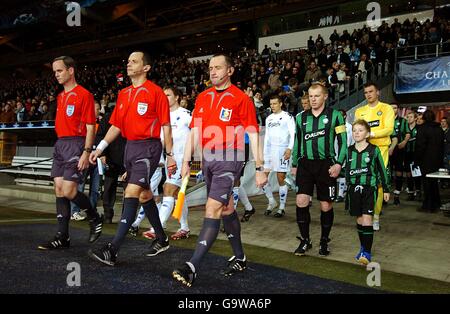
{"x":75,"y":129}
{"x":222,"y":114}
{"x":140,"y":112}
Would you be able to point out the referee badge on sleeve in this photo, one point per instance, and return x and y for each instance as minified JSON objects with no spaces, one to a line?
{"x":225,"y":114}
{"x":142,"y":108}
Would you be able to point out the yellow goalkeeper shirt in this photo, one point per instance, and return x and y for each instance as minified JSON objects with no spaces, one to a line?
{"x":381,"y":120}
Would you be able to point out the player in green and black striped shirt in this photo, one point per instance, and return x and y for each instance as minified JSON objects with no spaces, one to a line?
{"x":316,"y":132}
{"x":364,"y":167}
{"x":399,"y":139}
{"x":413,"y":183}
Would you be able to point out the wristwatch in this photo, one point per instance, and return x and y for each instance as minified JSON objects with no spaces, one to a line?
{"x":169,"y":154}
{"x":87,"y":149}
{"x":260,"y":168}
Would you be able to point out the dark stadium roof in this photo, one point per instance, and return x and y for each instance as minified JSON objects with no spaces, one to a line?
{"x":30,"y":31}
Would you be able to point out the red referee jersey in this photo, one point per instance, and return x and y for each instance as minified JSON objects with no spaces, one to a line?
{"x":141,"y":111}
{"x":223,"y":117}
{"x":74,"y":110}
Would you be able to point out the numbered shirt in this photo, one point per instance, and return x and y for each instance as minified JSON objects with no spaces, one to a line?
{"x":141,"y":111}
{"x":74,"y":110}
{"x":180,"y":120}
{"x":223,"y":117}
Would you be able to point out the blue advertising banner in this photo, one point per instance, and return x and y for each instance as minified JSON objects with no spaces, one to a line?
{"x":420,"y":76}
{"x":27,"y":125}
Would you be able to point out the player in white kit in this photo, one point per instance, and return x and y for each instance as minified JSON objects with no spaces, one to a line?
{"x":180,"y":118}
{"x":278,"y":144}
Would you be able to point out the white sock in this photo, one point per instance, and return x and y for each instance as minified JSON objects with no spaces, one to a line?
{"x":268,"y":191}
{"x":244,"y":198}
{"x":235,"y":196}
{"x":139,"y":218}
{"x":166,"y":209}
{"x":184,"y":218}
{"x":283,"y":195}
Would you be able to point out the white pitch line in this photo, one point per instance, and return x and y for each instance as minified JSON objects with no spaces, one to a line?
{"x":27,"y":220}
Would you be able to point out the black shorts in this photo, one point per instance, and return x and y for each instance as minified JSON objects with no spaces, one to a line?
{"x":141,"y":159}
{"x":221,"y":175}
{"x":409,"y":159}
{"x":315,"y":172}
{"x":66,"y":156}
{"x":397,"y":160}
{"x":361,"y":200}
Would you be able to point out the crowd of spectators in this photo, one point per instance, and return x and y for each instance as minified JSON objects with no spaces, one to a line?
{"x":335,"y":62}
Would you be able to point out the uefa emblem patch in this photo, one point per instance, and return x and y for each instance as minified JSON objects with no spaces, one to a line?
{"x":379,"y":113}
{"x":70,"y":110}
{"x":225,"y":114}
{"x":142,"y":108}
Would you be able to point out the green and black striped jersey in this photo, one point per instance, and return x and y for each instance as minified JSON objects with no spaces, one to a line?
{"x":315,"y":136}
{"x":411,"y":145}
{"x":366,"y":167}
{"x":400,"y":129}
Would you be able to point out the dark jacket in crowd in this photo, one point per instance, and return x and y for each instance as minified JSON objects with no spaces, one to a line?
{"x":429,"y":147}
{"x":447,"y":142}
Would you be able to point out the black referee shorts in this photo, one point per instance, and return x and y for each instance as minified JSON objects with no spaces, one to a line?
{"x":361,"y":200}
{"x":315,"y":172}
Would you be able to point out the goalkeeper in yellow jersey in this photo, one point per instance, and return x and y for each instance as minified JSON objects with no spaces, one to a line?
{"x":380,"y":117}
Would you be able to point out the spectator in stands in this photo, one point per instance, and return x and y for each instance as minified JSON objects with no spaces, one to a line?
{"x":345,"y":36}
{"x":297,"y":75}
{"x":354,"y":56}
{"x":274,"y":79}
{"x":7,"y":114}
{"x":364,"y":66}
{"x":341,"y":56}
{"x":286,"y":73}
{"x":312,"y":74}
{"x":429,"y":154}
{"x":342,"y":77}
{"x":21,"y":113}
{"x":319,"y":42}
{"x":311,"y":45}
{"x":34,"y":114}
{"x":334,"y":37}
{"x":46,"y":115}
